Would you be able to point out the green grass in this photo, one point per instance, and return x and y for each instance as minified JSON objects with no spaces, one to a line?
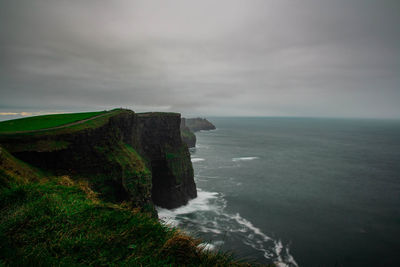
{"x":47,"y":224}
{"x":66,"y":129}
{"x":44,"y":121}
{"x":56,"y":221}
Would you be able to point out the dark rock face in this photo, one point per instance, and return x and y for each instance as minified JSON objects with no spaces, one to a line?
{"x":134,"y":157}
{"x":173,"y":183}
{"x":198,"y":124}
{"x":188,"y":126}
{"x":188,"y":137}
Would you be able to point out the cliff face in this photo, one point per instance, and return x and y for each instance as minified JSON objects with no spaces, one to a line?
{"x":161,"y":143}
{"x":198,"y":124}
{"x":188,"y":126}
{"x":188,"y":137}
{"x":124,"y":156}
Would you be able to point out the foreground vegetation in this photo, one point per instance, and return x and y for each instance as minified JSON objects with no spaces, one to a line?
{"x":58,"y":221}
{"x":44,"y":121}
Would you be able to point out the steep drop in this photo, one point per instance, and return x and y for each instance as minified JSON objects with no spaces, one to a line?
{"x":124,"y":156}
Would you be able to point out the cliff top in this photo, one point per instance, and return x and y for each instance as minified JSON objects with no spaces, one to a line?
{"x":63,"y":123}
{"x":57,"y":123}
{"x":45,"y":121}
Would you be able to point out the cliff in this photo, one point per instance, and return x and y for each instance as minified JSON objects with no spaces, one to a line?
{"x":188,"y":137}
{"x":160,"y":141}
{"x":188,"y":126}
{"x":82,"y":193}
{"x":198,"y":124}
{"x":123,"y":156}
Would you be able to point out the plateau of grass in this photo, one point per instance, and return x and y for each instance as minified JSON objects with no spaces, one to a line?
{"x":88,"y":123}
{"x":44,"y":121}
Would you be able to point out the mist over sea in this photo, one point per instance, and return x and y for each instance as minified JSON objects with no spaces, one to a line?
{"x":298,"y":191}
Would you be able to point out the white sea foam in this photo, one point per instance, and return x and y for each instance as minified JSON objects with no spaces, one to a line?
{"x":206,"y":246}
{"x":197,"y":159}
{"x":242,"y":221}
{"x":200,"y":203}
{"x":201,"y":146}
{"x":208,"y":215}
{"x":289,"y":258}
{"x":210,"y":230}
{"x":211,"y":131}
{"x":244,"y":158}
{"x":211,"y":246}
{"x":206,"y":176}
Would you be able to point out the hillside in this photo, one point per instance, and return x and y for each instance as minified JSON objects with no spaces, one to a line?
{"x":48,"y":220}
{"x":84,"y":194}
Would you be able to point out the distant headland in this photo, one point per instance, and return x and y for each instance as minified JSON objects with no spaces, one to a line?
{"x":192,"y":125}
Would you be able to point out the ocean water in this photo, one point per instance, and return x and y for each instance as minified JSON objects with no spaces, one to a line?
{"x":297,"y":191}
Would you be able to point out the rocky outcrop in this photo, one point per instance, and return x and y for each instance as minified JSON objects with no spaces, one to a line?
{"x":198,"y":124}
{"x":124,"y":156}
{"x":188,"y":126}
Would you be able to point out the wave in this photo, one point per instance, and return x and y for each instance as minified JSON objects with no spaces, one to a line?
{"x":281,"y":257}
{"x":197,"y":159}
{"x":244,"y":158}
{"x":207,"y":214}
{"x":200,"y":203}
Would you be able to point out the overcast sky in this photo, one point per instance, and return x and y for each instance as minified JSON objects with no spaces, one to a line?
{"x":337,"y":58}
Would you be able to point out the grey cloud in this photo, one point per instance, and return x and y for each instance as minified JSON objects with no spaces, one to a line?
{"x":275,"y":57}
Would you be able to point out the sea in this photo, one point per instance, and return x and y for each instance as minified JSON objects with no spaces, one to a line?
{"x":297,"y":191}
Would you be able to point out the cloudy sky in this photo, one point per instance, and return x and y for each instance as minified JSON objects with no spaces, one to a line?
{"x":336,"y":58}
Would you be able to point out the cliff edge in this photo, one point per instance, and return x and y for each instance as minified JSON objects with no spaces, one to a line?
{"x":124,"y":156}
{"x":78,"y":190}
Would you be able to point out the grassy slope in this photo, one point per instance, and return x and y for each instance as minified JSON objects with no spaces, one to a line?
{"x":44,"y":122}
{"x":48,"y":221}
{"x":66,"y":129}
